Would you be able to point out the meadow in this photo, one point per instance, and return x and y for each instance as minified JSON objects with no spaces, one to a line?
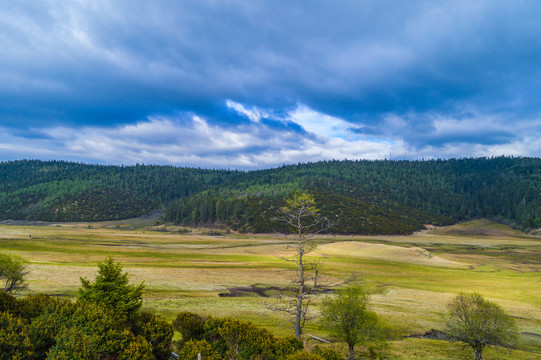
{"x":411,"y":278}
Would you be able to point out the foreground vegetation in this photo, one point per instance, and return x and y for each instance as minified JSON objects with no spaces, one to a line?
{"x":368,"y":197}
{"x":411,"y":278}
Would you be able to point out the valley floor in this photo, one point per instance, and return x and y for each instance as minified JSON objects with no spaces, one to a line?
{"x":411,"y":278}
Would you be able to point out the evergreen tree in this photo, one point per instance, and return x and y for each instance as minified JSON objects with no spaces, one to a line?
{"x":112,"y":289}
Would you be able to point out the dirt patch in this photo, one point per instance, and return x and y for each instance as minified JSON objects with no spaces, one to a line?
{"x":251,"y":290}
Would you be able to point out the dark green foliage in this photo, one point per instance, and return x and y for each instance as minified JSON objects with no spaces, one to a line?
{"x":15,"y":343}
{"x":287,"y":345}
{"x":387,"y":197}
{"x":234,"y":339}
{"x":34,"y":305}
{"x":189,"y":325}
{"x":72,"y":343}
{"x":246,"y":341}
{"x":45,"y":327}
{"x":134,"y":348}
{"x":327,"y":354}
{"x":112,"y":289}
{"x":64,"y":191}
{"x":8,"y":302}
{"x":158,"y":332}
{"x":377,"y":197}
{"x":60,"y":329}
{"x":192,"y":348}
{"x":104,"y":324}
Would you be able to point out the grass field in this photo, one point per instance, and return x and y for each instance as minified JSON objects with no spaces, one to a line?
{"x":411,"y":278}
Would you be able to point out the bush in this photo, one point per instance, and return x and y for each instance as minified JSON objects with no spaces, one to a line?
{"x":303,"y":355}
{"x":242,"y":340}
{"x":8,"y":302}
{"x":245,"y":341}
{"x":191,"y":348}
{"x":287,"y":345}
{"x":158,"y":332}
{"x":72,"y":343}
{"x":34,"y":305}
{"x":15,"y":342}
{"x":189,"y":325}
{"x":327,"y":354}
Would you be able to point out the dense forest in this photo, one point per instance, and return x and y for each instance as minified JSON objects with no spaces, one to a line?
{"x":365,"y":197}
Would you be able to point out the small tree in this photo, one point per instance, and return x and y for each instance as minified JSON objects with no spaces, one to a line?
{"x":302,"y":218}
{"x":348,"y":318}
{"x":478,"y":323}
{"x":111,"y":288}
{"x":12,"y":273}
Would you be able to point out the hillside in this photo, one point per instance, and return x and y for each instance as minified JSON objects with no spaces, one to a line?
{"x":365,"y":197}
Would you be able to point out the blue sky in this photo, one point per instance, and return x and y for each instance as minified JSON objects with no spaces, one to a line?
{"x":253,"y":84}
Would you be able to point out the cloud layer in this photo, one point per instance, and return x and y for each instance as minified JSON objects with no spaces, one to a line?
{"x":252,"y":84}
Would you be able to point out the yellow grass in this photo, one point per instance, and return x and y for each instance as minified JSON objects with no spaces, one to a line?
{"x":413,"y":255}
{"x":411,"y":277}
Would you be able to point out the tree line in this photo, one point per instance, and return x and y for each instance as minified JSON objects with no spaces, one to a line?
{"x":387,"y":197}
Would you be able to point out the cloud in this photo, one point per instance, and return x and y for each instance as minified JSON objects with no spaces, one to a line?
{"x":389,"y":79}
{"x":187,"y":139}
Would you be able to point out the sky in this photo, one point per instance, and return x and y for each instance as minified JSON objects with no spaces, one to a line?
{"x":249,"y":84}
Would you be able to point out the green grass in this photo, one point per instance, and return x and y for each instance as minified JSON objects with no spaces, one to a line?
{"x":188,"y":271}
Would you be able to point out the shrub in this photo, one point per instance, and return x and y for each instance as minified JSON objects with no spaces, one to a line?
{"x":72,"y":343}
{"x":191,"y":348}
{"x":287,"y":345}
{"x":158,"y":332}
{"x":8,"y":302}
{"x":15,"y":342}
{"x":189,"y":325}
{"x":303,"y":355}
{"x":242,"y":340}
{"x":327,"y":354}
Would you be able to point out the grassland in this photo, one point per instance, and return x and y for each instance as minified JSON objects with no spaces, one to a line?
{"x":411,"y":278}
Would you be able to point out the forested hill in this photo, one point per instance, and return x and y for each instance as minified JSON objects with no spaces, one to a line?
{"x":369,"y":197}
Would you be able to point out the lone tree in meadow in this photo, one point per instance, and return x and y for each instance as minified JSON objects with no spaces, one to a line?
{"x":112,"y":289}
{"x":302,"y":218}
{"x":478,"y":323}
{"x":348,"y":318}
{"x":12,"y":273}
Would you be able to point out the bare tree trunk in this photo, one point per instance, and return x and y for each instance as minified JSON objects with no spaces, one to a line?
{"x":300,"y":296}
{"x":298,"y":320}
{"x":351,"y":352}
{"x":478,"y":354}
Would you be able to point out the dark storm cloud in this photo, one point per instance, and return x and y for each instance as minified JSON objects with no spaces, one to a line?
{"x":410,"y":73}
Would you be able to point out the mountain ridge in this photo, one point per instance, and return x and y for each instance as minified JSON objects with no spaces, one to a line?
{"x":364,"y":196}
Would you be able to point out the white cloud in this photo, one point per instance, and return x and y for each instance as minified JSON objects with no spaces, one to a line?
{"x":254,"y":114}
{"x":321,"y":124}
{"x":191,"y":140}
